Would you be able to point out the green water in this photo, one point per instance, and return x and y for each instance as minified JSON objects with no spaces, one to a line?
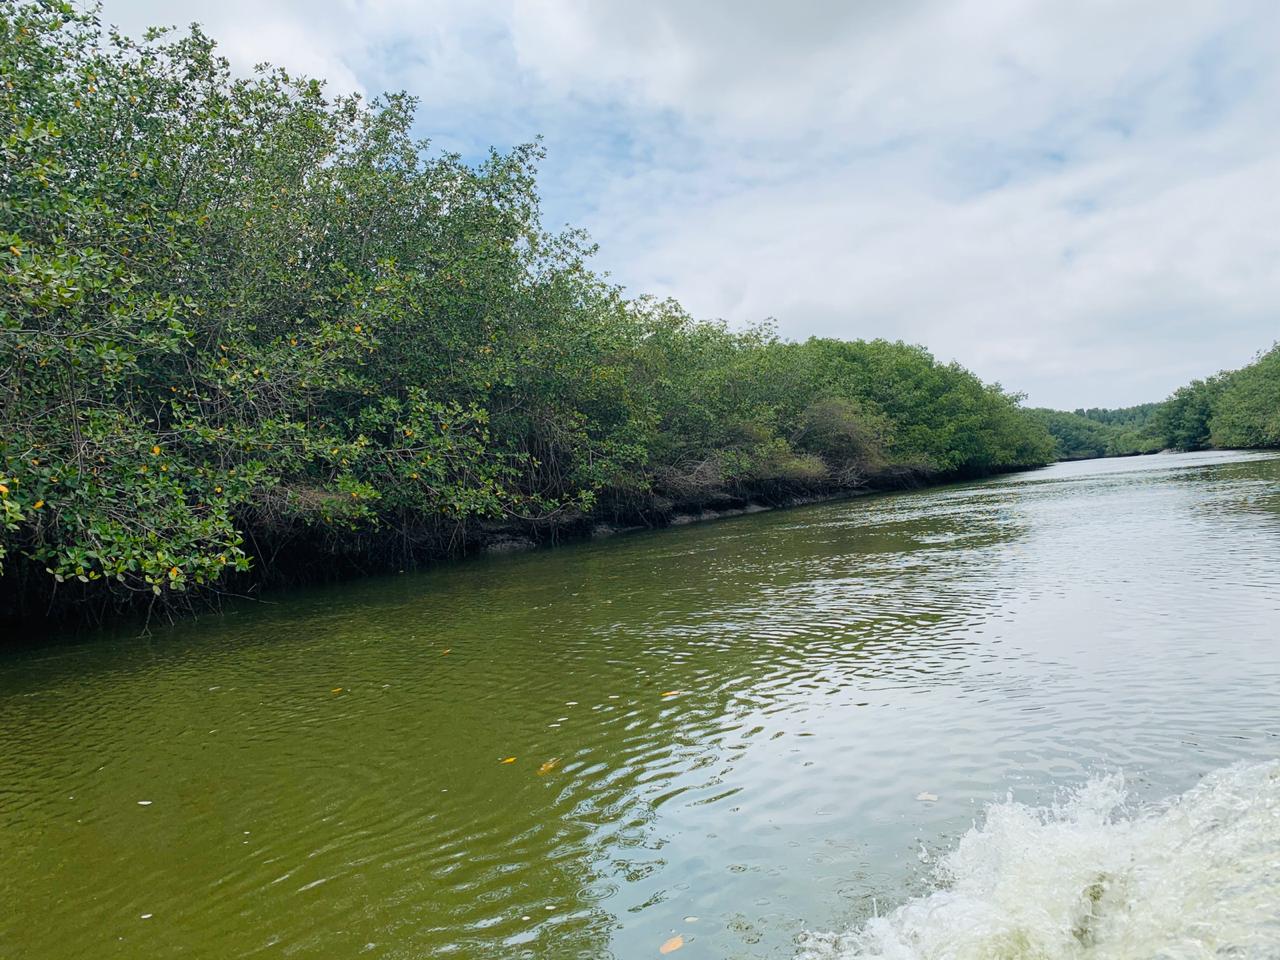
{"x":741,"y":715}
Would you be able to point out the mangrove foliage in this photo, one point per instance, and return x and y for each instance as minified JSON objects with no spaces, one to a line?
{"x":1234,"y":409}
{"x":247,"y":327}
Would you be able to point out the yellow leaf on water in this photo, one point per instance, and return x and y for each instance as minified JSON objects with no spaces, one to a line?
{"x":508,"y":760}
{"x":672,"y":945}
{"x":445,"y":650}
{"x":548,"y":766}
{"x":337,"y":690}
{"x":673,"y":693}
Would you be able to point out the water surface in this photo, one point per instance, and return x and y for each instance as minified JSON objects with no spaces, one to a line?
{"x":719,"y":732}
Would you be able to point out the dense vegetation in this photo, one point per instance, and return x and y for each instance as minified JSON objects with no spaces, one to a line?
{"x":1236,"y":409}
{"x":1098,"y":432}
{"x":1131,"y":418}
{"x":248,"y":327}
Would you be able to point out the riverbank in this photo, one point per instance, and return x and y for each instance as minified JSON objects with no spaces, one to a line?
{"x":288,"y":557}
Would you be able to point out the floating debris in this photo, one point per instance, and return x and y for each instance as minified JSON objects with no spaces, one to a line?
{"x":507,"y":760}
{"x":672,"y":945}
{"x":926,"y":796}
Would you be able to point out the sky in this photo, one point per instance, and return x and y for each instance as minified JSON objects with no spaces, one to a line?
{"x":1078,"y":200}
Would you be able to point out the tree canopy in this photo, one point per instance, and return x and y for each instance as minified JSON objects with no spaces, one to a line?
{"x":240,"y":317}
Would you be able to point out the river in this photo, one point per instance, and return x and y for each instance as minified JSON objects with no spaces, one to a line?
{"x":760,"y":737}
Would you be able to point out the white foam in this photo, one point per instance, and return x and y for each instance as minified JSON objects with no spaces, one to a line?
{"x":1198,"y":877}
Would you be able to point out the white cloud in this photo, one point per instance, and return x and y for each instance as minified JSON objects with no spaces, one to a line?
{"x":1075,"y":199}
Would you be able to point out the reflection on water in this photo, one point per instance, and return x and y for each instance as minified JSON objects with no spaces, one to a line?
{"x":719,"y":732}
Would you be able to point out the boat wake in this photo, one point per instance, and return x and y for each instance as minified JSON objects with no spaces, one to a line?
{"x":1197,"y":877}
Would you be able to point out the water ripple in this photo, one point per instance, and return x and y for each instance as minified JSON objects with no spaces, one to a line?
{"x":719,"y":731}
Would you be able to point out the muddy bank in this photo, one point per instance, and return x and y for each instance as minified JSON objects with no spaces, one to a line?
{"x":513,"y":539}
{"x":31,"y":605}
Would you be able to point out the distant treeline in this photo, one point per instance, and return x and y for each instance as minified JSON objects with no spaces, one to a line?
{"x":1237,"y":409}
{"x":248,"y":330}
{"x":1098,"y":432}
